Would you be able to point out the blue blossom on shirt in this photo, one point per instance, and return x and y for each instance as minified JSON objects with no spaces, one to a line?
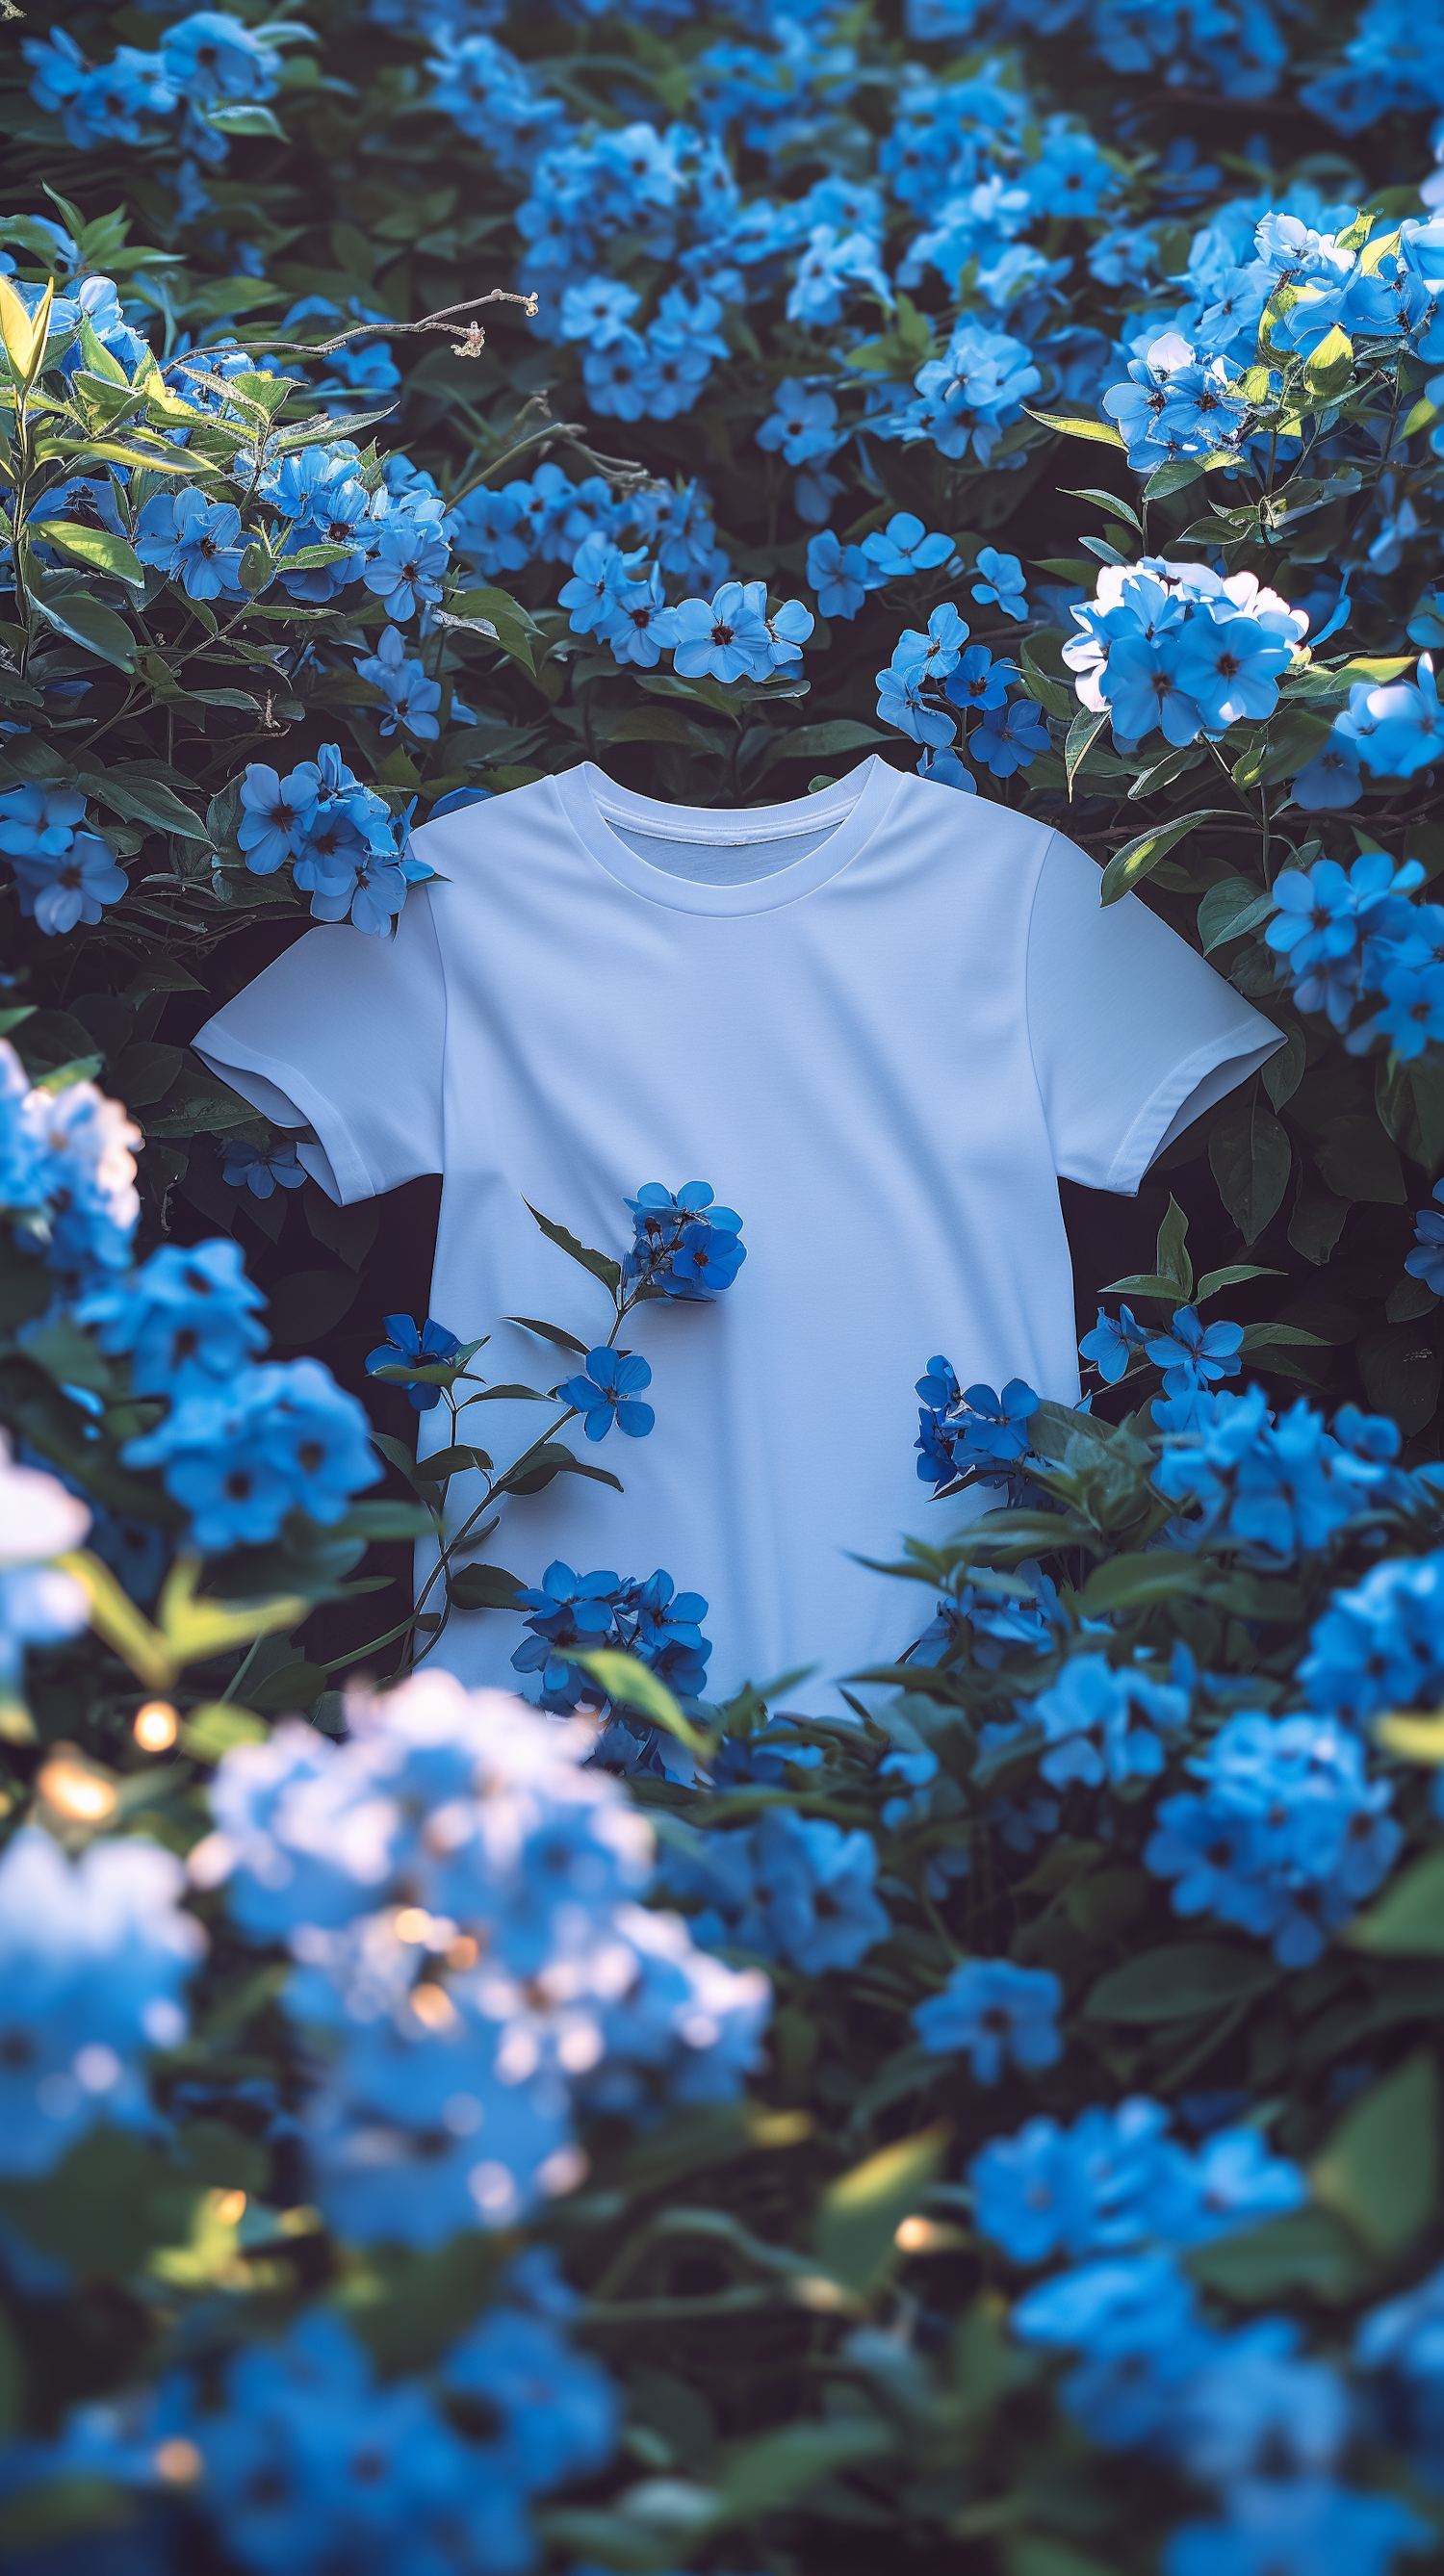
{"x":684,"y":1244}
{"x":607,"y":1392}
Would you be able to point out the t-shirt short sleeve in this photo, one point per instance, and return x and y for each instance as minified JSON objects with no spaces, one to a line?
{"x":1133,"y":1034}
{"x":345,"y":1035}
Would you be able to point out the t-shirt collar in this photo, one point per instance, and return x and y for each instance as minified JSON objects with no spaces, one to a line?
{"x":854,"y":807}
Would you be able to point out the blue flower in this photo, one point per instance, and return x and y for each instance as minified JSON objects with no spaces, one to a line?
{"x":1007,"y":741}
{"x":403,"y":1342}
{"x":276,"y":814}
{"x":815,"y":1886}
{"x":607,"y":1393}
{"x":1231,"y":667}
{"x":1111,"y":1345}
{"x":979,"y":682}
{"x":1105,"y":1722}
{"x":277,"y":1439}
{"x":900,"y":702}
{"x":262,"y":1172}
{"x":94,"y":1955}
{"x":1300,"y":2526}
{"x":405,"y":571}
{"x":1002,"y":581}
{"x":725,"y":638}
{"x":996,"y":2013}
{"x":1426,"y":1261}
{"x":904,"y":546}
{"x":802,"y":424}
{"x":569,"y":1610}
{"x":58,"y":892}
{"x":212,"y":56}
{"x":412,"y":698}
{"x":1380,"y":1643}
{"x":667,"y":1633}
{"x":1192,"y":1355}
{"x":192,"y":539}
{"x":186,"y":1318}
{"x":597,"y":310}
{"x":684,"y":1244}
{"x":1288,"y":1837}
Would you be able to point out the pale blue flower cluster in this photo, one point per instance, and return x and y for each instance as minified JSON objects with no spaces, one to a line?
{"x":1180,"y":648}
{"x":207,"y":61}
{"x":474,"y":1967}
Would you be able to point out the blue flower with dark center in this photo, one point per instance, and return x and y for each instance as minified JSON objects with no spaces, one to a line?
{"x":403,"y":1343}
{"x":995,"y":2012}
{"x":608,"y":1392}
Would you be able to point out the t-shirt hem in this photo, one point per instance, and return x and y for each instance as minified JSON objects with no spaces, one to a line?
{"x":354,"y":1178}
{"x":1240,"y":1043}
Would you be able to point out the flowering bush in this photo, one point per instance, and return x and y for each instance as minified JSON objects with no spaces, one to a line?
{"x":634,"y":2126}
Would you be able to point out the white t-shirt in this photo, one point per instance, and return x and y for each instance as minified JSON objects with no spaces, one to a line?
{"x":880,"y":1021}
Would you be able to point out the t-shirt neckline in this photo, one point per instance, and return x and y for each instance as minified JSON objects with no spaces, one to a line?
{"x":854,"y":807}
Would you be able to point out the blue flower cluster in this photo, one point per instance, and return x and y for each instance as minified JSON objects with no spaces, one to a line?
{"x":67,"y":1174}
{"x":1275,"y":1488}
{"x":1180,"y":648}
{"x":1345,"y":935}
{"x":65,"y":870}
{"x":94,"y":1958}
{"x":1193,"y":1356}
{"x":1106,"y":1722}
{"x":973,"y":1432}
{"x":304,"y":2458}
{"x":1380,"y":1643}
{"x":580,"y":1613}
{"x":619,"y":598}
{"x":474,"y":1969}
{"x":683,"y":1244}
{"x":241,"y":1447}
{"x":1288,"y":1835}
{"x":935,"y":670}
{"x":1241,"y":2410}
{"x":544,"y":517}
{"x":796,"y":1888}
{"x":425,"y":1347}
{"x":206,"y":61}
{"x":344,"y":846}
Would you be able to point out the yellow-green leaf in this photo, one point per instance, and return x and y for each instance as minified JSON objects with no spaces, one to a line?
{"x":1415,"y":1739}
{"x":862,"y":2211}
{"x":1380,"y":2169}
{"x":1328,"y":371}
{"x":1101,"y":432}
{"x":633,"y":1685}
{"x":23,"y":333}
{"x":98,"y":547}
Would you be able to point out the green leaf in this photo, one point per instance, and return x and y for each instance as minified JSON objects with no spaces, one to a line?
{"x":458,"y":1461}
{"x":1110,"y":502}
{"x":1302,"y":2250}
{"x":1171,"y":1249}
{"x":1181,"y":1982}
{"x":1380,"y":2168}
{"x":551,"y":1458}
{"x":1400,"y":1369}
{"x":1083,"y":732}
{"x":777,"y":2468}
{"x":141,"y":799}
{"x":484,"y":1587}
{"x":1102,"y":433}
{"x":1251,"y":1157}
{"x":98,"y":547}
{"x":295,"y":1686}
{"x":600,"y":1264}
{"x":1131,"y":1582}
{"x":859,"y":2214}
{"x":1358,"y":1162}
{"x":634,"y":1685}
{"x":1408,"y":1920}
{"x":1138,"y":858}
{"x":1230,"y":908}
{"x":106,"y":2205}
{"x":514,"y":630}
{"x":89,"y":624}
{"x":822,"y":741}
{"x":250,"y":118}
{"x":557,"y":1333}
{"x":1232,"y":1276}
{"x":1328,"y":370}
